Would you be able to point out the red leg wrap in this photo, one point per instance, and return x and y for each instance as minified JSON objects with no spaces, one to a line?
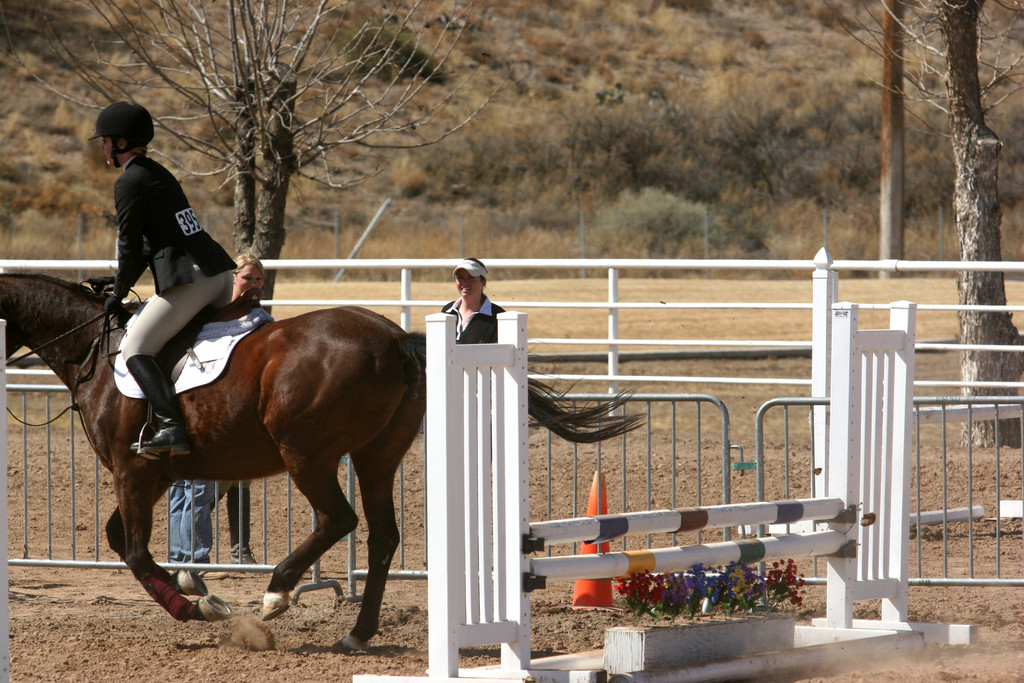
{"x":176,"y":604}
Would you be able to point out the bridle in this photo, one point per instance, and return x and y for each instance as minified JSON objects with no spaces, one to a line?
{"x":106,"y":328}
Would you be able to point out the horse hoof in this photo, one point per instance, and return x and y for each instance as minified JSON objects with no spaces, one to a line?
{"x":213,"y":608}
{"x":352,"y":644}
{"x":190,"y":583}
{"x":274,"y":605}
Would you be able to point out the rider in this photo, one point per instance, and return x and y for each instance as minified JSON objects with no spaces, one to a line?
{"x":157,"y":228}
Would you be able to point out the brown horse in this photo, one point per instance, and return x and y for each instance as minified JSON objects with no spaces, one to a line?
{"x":297,"y":395}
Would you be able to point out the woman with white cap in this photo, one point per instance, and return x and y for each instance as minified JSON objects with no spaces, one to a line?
{"x":477,"y":315}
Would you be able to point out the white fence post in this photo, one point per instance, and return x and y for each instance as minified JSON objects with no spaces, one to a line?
{"x":825,"y":286}
{"x":613,"y":329}
{"x":406,"y":314}
{"x":5,"y":610}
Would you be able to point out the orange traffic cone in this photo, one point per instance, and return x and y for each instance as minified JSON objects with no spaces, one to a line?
{"x":594,"y":593}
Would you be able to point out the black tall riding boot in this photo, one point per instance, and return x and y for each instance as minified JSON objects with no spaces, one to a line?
{"x":170,"y":437}
{"x":238,"y":526}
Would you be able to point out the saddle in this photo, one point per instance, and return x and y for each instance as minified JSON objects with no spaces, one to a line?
{"x":172,"y":357}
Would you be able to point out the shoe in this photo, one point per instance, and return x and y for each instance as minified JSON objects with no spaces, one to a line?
{"x":171,"y":437}
{"x":238,"y":556}
{"x":242,"y":555}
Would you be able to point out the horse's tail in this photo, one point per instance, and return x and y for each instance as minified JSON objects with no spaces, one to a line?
{"x":586,"y":424}
{"x":547,"y":407}
{"x":414,"y":350}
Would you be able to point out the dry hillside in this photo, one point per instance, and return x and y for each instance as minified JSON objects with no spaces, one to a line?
{"x":641,"y":119}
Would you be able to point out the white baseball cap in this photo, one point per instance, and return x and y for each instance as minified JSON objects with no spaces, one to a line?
{"x":471,"y":266}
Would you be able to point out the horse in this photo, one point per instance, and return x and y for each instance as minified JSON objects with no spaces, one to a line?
{"x":296,"y":396}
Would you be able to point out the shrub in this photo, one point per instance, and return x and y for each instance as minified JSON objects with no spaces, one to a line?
{"x":390,"y":52}
{"x":663,"y":224}
{"x":755,"y":39}
{"x":690,"y":5}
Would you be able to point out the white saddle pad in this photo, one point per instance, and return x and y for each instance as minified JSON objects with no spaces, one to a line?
{"x":209,"y":356}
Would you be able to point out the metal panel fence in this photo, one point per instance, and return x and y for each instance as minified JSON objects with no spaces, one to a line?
{"x":958,"y":536}
{"x":61,"y":496}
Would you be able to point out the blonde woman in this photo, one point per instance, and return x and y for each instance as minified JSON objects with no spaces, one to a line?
{"x":248,"y":274}
{"x":197,"y":498}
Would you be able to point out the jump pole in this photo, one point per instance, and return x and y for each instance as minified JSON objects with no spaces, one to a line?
{"x":682,"y":558}
{"x":603,"y":528}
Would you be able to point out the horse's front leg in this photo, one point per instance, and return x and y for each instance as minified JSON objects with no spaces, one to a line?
{"x":129,"y":535}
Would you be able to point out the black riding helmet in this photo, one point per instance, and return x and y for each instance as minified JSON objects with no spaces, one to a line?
{"x":125,"y":120}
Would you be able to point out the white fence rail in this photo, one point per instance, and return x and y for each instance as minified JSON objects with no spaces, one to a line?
{"x":824,"y":273}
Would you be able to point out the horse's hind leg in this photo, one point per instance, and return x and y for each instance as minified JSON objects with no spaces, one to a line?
{"x":375,"y":465}
{"x":335,"y":518}
{"x":382,"y":540}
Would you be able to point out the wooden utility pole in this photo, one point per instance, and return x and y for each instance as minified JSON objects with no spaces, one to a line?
{"x":890,"y":238}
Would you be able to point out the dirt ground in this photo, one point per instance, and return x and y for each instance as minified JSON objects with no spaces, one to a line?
{"x":98,"y":624}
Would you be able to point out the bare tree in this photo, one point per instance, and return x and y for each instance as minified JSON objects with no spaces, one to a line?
{"x":270,"y":89}
{"x":976,"y":150}
{"x":966,"y":63}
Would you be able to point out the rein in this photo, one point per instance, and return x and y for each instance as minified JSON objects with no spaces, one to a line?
{"x":73,"y":406}
{"x":92,"y":355}
{"x":55,"y":339}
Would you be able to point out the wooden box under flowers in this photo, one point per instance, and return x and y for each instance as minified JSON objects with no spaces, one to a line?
{"x":628,"y":649}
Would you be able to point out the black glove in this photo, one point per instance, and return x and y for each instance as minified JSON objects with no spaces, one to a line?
{"x":113,"y":305}
{"x":98,"y":284}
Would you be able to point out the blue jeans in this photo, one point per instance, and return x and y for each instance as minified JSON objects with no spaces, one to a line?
{"x":185,"y":497}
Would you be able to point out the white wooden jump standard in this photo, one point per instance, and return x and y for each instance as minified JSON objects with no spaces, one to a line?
{"x":869,"y":464}
{"x":478,"y":509}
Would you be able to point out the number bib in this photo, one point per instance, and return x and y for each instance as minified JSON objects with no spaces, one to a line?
{"x":188,"y":222}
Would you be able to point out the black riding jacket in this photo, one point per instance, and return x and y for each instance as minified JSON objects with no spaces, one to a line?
{"x":156,"y":227}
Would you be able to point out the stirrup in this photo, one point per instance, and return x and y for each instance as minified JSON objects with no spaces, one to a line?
{"x":140,"y":451}
{"x":156,"y":450}
{"x":164,"y":442}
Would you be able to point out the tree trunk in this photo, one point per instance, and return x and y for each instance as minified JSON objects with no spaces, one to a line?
{"x":977,"y":213}
{"x":245,"y":174}
{"x":260,"y":208}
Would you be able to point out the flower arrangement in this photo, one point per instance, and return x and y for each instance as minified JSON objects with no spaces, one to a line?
{"x":736,"y":588}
